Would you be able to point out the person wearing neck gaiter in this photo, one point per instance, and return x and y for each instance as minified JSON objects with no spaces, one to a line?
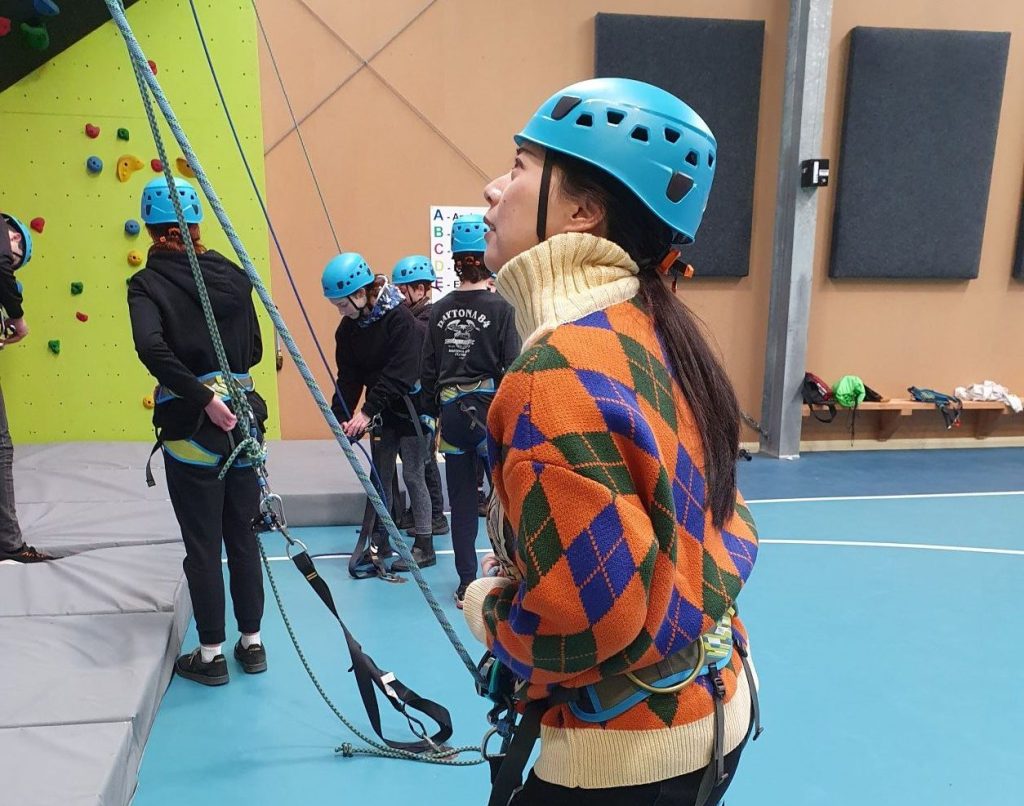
{"x":378,"y":353}
{"x":623,"y":541}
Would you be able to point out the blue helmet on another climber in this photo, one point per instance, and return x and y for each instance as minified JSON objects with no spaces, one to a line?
{"x":158,"y":206}
{"x":345,"y":274}
{"x":468,"y":247}
{"x":26,"y":238}
{"x":413,"y":269}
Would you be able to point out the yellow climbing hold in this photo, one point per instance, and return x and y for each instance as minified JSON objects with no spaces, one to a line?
{"x":126,"y":166}
{"x":184,"y":168}
{"x":147,"y":401}
{"x":135,"y":258}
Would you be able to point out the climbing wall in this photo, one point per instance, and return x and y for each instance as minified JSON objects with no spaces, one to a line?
{"x":76,"y":377}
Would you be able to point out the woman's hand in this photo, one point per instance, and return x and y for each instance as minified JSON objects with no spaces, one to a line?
{"x":356,"y":427}
{"x":220,"y":415}
{"x":490,"y":566}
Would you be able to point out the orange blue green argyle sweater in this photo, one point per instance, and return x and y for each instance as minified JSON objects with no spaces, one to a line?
{"x":598,"y":465}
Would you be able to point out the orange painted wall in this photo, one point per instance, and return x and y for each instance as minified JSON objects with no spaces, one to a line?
{"x":430,"y":120}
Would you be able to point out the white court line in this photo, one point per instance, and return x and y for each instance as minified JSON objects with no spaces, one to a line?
{"x":883,"y":545}
{"x":907,"y":497}
{"x":872,"y":544}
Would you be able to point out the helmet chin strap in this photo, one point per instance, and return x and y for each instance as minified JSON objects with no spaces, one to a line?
{"x":542,"y":202}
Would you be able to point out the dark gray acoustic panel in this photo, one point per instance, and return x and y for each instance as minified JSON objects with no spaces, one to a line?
{"x":715,"y":66}
{"x":919,"y":133}
{"x":1018,"y":261}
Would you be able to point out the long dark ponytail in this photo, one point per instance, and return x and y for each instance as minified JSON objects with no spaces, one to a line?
{"x":694,"y":364}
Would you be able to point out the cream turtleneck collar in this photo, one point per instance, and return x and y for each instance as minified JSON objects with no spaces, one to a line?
{"x":563,"y":279}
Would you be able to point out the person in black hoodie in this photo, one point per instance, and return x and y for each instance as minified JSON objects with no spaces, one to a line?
{"x":196,"y":427}
{"x":15,"y":252}
{"x":471,"y":341}
{"x":378,"y":352}
{"x":415,"y":277}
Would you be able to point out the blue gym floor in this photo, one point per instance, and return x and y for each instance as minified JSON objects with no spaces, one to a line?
{"x":885,"y":614}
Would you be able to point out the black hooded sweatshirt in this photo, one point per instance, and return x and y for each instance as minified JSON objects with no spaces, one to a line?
{"x":174,"y":343}
{"x":10,"y":299}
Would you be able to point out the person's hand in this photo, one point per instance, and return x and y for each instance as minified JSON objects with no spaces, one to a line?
{"x":220,"y":415}
{"x":15,"y":331}
{"x":356,"y":427}
{"x":490,"y":566}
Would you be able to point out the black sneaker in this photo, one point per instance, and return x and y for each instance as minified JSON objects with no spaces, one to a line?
{"x":253,"y":658}
{"x":192,"y":667}
{"x":26,"y":554}
{"x":460,"y":595}
{"x":422,"y":553}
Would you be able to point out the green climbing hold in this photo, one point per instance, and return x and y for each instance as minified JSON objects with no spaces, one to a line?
{"x":77,"y":288}
{"x":54,"y":346}
{"x":36,"y":36}
{"x":122,"y":134}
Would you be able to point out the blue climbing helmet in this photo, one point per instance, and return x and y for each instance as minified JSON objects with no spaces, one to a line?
{"x":345,"y":274}
{"x":26,"y":238}
{"x":413,"y":269}
{"x":646,"y":138}
{"x":468,"y":234}
{"x":157,"y":207}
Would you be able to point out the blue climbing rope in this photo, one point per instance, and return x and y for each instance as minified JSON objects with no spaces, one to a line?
{"x":144,"y":74}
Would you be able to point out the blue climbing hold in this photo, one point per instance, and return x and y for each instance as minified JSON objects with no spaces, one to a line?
{"x":94,"y":165}
{"x":131,"y":227}
{"x":46,"y":7}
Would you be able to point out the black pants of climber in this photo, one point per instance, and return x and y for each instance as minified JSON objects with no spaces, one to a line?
{"x":680,"y":791}
{"x":466,"y":433}
{"x":212,"y":513}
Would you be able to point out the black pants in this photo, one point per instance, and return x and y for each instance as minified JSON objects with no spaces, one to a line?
{"x":680,"y":791}
{"x":211,"y":512}
{"x":433,"y":479}
{"x":467,"y":433}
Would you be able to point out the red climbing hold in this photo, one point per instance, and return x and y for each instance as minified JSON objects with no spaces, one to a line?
{"x":152,"y":66}
{"x":37,"y":224}
{"x":82,"y":317}
{"x":156,"y":165}
{"x":91,"y":131}
{"x":5,"y":26}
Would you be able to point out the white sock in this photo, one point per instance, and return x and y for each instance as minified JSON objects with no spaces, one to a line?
{"x":208,"y":652}
{"x":250,"y":639}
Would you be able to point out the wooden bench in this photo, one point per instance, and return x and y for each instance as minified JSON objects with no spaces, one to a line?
{"x":892,"y":412}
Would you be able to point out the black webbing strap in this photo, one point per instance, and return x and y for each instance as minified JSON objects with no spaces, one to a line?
{"x":365,"y":561}
{"x":821,"y":417}
{"x":369,"y":675}
{"x":509,"y":777}
{"x":715,"y":774}
{"x":542,"y":202}
{"x":755,"y":704}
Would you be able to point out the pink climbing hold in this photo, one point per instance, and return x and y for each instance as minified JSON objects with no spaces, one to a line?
{"x":37,"y":224}
{"x":5,"y":26}
{"x":91,"y":131}
{"x":152,"y":66}
{"x":157,"y":166}
{"x":82,"y":317}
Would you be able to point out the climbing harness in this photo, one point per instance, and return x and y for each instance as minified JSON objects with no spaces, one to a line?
{"x":609,"y":698}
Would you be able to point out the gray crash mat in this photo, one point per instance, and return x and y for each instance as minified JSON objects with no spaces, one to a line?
{"x":80,"y":669}
{"x":131,"y":579}
{"x":68,"y":765}
{"x":88,"y":641}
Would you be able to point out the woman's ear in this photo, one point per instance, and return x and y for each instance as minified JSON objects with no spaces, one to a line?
{"x":583,"y":213}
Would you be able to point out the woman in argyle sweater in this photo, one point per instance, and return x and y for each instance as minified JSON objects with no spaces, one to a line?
{"x":613,"y":442}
